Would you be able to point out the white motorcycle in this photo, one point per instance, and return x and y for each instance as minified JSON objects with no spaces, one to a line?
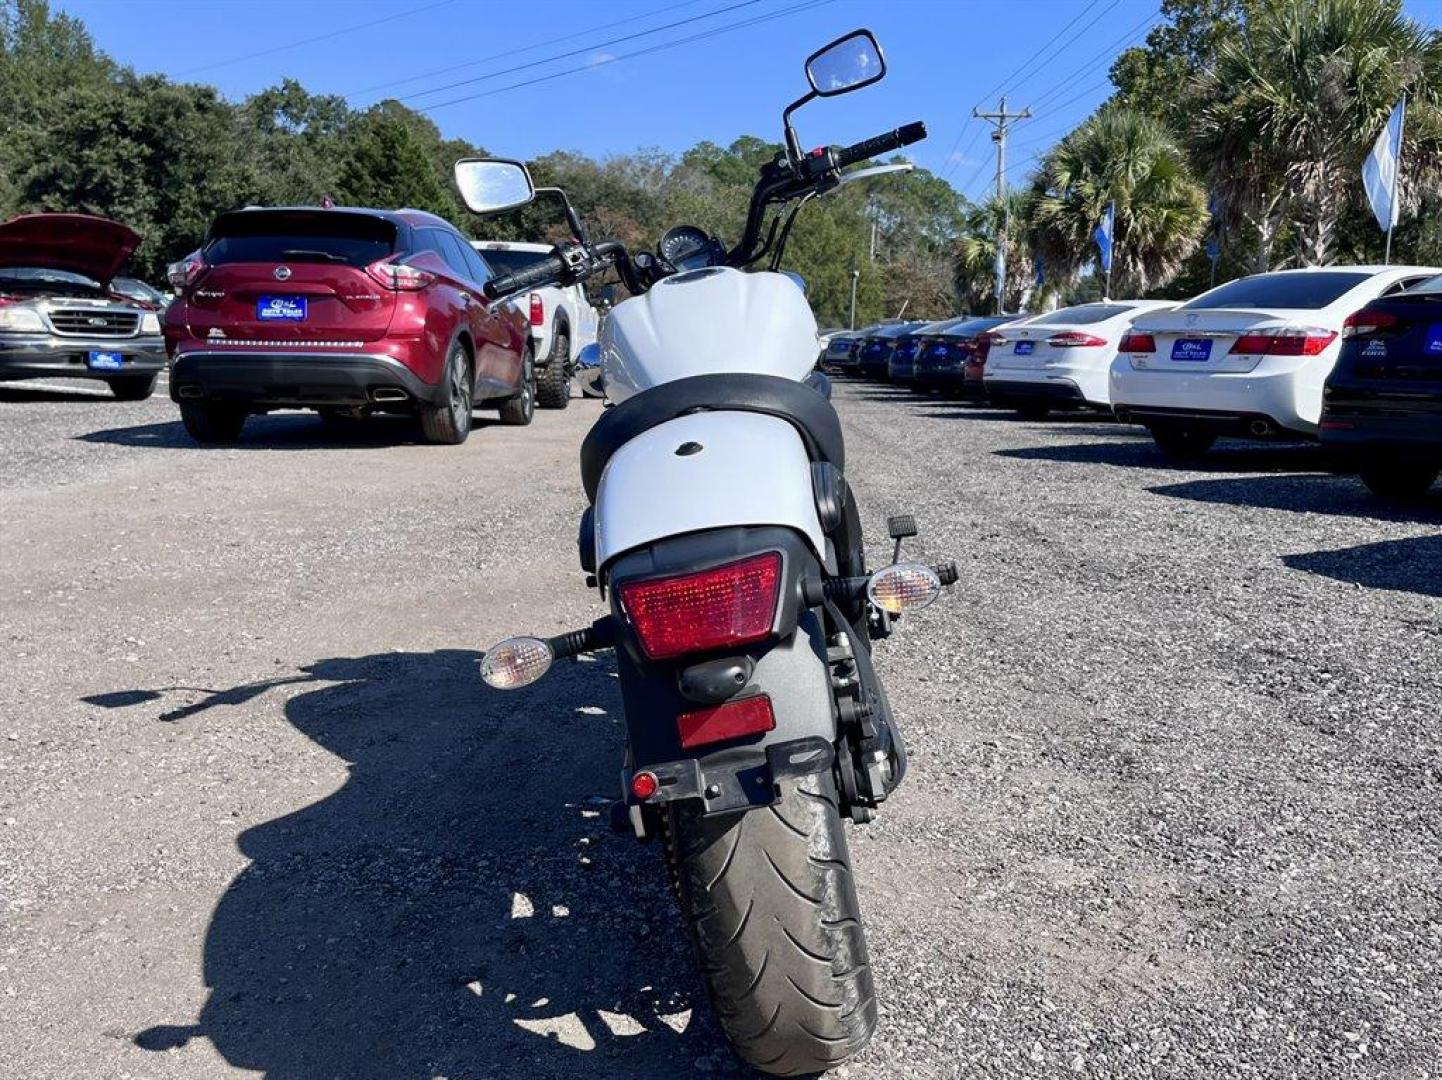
{"x":723,"y":533}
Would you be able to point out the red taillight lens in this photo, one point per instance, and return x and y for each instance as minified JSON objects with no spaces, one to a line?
{"x":1134,"y":342}
{"x":1307,"y":341}
{"x":182,"y":274}
{"x":749,"y":716}
{"x":1073,"y":339}
{"x":728,"y":605}
{"x":538,"y":310}
{"x":400,"y":277}
{"x":644,"y":785}
{"x":1365,"y":322}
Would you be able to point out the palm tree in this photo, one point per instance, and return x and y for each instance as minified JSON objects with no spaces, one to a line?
{"x":1296,"y":104}
{"x":976,"y":253}
{"x":1122,"y":156}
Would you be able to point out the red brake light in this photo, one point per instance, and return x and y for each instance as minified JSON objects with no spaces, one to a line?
{"x":644,"y":785}
{"x":1075,"y":339}
{"x":1287,"y":341}
{"x":1136,"y":342}
{"x":183,"y":274}
{"x":538,"y":310}
{"x":400,"y":277}
{"x":1365,"y":322}
{"x":727,"y":605}
{"x":748,"y":716}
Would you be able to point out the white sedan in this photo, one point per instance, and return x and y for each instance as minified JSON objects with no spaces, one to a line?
{"x":1247,"y":358}
{"x":1062,"y":359}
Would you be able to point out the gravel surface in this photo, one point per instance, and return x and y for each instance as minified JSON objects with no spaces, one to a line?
{"x":1173,"y":807}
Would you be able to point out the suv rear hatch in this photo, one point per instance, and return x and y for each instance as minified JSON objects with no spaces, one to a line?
{"x":294,"y":277}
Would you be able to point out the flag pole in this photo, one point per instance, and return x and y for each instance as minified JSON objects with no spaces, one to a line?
{"x":1396,"y":183}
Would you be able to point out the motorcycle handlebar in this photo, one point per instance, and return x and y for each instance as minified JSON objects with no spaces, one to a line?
{"x":541,"y":273}
{"x":880,"y":144}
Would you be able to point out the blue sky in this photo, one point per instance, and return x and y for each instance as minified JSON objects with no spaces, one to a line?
{"x":944,"y":57}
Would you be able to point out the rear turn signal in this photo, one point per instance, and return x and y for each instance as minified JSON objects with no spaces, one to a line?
{"x":903,"y":587}
{"x":1285,"y":341}
{"x":516,"y":662}
{"x":718,"y":608}
{"x":1365,"y":322}
{"x":1133,"y":342}
{"x":749,"y":716}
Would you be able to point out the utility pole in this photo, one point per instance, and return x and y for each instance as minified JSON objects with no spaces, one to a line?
{"x":1003,"y":120}
{"x":855,"y":277}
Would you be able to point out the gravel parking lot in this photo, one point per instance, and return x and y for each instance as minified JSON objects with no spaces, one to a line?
{"x":1173,"y":809}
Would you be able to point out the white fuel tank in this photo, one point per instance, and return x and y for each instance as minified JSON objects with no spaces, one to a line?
{"x":708,"y":322}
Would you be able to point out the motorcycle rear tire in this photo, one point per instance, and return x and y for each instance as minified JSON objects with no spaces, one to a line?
{"x":771,"y":908}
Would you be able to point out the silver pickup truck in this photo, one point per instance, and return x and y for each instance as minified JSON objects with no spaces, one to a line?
{"x":563,"y":322}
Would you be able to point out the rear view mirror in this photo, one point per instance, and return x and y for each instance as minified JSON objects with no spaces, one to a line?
{"x":847,"y":64}
{"x":492,"y":185}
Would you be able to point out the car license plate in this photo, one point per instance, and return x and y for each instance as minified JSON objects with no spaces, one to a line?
{"x":1192,"y":349}
{"x":105,"y":361}
{"x":1433,"y":347}
{"x":281,"y":308}
{"x":1024,"y":348}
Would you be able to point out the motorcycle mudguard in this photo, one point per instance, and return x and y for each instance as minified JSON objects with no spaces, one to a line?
{"x":708,"y":470}
{"x":790,"y":668}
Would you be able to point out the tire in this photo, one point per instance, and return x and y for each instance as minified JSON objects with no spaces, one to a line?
{"x":132,"y":387}
{"x":1182,"y":443}
{"x":448,"y":423}
{"x":521,"y":409}
{"x":1402,"y":481}
{"x":772,"y":913}
{"x":553,"y":382}
{"x":210,"y":423}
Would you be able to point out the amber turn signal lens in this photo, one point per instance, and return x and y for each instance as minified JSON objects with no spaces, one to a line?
{"x":516,"y":662}
{"x":903,"y":587}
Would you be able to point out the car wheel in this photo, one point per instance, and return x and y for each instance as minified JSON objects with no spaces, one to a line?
{"x":132,"y":387}
{"x":448,"y":422}
{"x":211,"y":423}
{"x":1182,"y":443}
{"x":1399,"y":480}
{"x":520,"y":409}
{"x":553,"y":383}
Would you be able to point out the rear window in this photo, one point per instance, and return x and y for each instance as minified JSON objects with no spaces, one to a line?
{"x":974,"y":326}
{"x":1431,"y":285}
{"x":1081,"y":315}
{"x":1301,"y":291}
{"x":509,"y":262}
{"x":323,"y":236}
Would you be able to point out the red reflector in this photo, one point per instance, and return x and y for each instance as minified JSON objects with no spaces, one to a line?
{"x":1074,"y":339}
{"x":1337,"y":425}
{"x":538,"y":310}
{"x":728,"y":605}
{"x":749,"y":716}
{"x":1137,"y":343}
{"x":644,"y":785}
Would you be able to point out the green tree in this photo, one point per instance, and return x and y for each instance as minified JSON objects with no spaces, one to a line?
{"x":387,"y":163}
{"x":975,"y":261}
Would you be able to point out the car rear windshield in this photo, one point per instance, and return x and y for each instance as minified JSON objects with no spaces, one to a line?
{"x":975,"y":326}
{"x":1082,"y":315}
{"x":1303,"y":291}
{"x":325,"y":236}
{"x":503,"y":261}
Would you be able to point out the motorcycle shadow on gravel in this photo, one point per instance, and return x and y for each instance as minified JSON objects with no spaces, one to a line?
{"x":281,"y":431}
{"x":459,"y":907}
{"x":1395,"y":565}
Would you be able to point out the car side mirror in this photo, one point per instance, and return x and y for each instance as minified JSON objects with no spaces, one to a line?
{"x":493,"y":185}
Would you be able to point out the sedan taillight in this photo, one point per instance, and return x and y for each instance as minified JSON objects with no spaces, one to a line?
{"x":1136,"y":342}
{"x":1366,"y":322}
{"x":718,"y":608}
{"x":1073,"y":339}
{"x":399,"y":276}
{"x":1284,"y":341}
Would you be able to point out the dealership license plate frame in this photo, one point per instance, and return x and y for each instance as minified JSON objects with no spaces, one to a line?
{"x":105,"y":360}
{"x":282,"y":308}
{"x":1192,"y":350}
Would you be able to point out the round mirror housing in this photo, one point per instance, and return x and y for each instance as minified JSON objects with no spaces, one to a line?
{"x":493,"y":185}
{"x":848,"y":63}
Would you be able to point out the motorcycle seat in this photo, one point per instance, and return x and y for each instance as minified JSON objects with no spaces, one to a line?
{"x":801,"y":404}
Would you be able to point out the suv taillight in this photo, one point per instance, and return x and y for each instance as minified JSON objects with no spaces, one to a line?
{"x":182,"y":274}
{"x":538,"y":310}
{"x":399,"y":276}
{"x":718,"y":608}
{"x":1285,"y":341}
{"x":1366,"y":322}
{"x":1136,"y":342}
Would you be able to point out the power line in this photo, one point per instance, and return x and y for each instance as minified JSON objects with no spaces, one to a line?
{"x":1027,"y":77}
{"x":319,"y":37}
{"x":704,"y":35}
{"x":1064,"y":83}
{"x":577,"y":52}
{"x":516,"y":52}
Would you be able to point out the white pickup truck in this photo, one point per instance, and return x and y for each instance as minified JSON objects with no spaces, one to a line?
{"x":563,"y":322}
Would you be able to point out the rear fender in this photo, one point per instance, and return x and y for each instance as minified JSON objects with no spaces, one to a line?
{"x":790,"y":668}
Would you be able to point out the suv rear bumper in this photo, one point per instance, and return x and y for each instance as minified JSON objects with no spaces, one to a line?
{"x":298,"y":379}
{"x":47,"y":356}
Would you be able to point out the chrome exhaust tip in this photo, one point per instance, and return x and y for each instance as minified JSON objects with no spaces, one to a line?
{"x":389,"y":394}
{"x":1261,"y":427}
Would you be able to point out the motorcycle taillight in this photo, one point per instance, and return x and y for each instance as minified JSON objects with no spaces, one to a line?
{"x":725,"y":606}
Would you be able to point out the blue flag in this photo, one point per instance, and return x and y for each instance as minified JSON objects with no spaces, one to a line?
{"x":1040,"y":274}
{"x":1104,"y":233}
{"x":1380,"y":170}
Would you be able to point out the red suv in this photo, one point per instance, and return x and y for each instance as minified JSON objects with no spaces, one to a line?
{"x":347,"y":311}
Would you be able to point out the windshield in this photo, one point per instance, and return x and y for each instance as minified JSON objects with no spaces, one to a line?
{"x":325,"y":236}
{"x":505,"y":261}
{"x":137,"y":290}
{"x":1305,"y":290}
{"x":40,"y":277}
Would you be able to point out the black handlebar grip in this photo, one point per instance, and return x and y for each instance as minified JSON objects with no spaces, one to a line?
{"x":880,"y":144}
{"x":542,"y":273}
